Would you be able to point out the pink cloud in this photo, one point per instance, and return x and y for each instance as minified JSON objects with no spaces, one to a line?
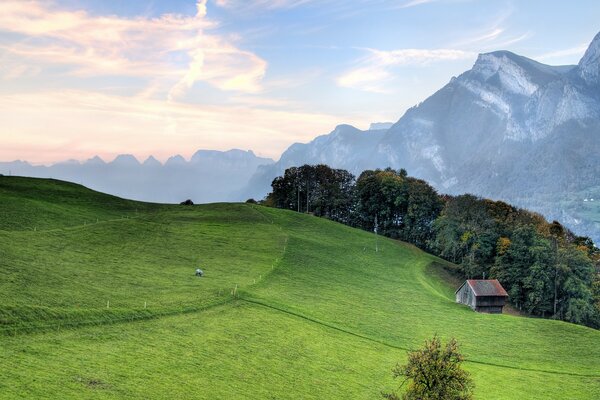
{"x":137,"y":46}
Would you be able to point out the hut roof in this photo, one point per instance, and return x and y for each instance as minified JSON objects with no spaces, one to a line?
{"x":486,"y":287}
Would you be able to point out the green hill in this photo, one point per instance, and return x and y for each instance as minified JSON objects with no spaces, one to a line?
{"x":98,"y":299}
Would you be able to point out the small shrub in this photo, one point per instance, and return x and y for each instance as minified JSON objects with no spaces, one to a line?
{"x":434,"y":373}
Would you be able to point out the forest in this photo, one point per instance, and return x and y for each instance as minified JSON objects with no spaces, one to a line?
{"x":547,"y":270}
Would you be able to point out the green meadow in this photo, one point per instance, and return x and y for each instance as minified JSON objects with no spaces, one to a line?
{"x":98,"y":300}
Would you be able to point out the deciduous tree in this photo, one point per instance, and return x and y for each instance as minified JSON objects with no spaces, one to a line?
{"x":434,"y":372}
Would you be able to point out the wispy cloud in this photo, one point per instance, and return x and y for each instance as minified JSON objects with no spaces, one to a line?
{"x":494,"y":36}
{"x":373,"y":71}
{"x":174,"y":47}
{"x":509,"y":41}
{"x":415,"y":3}
{"x":486,"y":36}
{"x":269,"y":4}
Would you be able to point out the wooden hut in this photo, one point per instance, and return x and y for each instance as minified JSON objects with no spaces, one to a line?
{"x":482,"y":295}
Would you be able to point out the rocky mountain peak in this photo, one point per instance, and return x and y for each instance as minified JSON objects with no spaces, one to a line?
{"x":589,"y":66}
{"x":513,"y":73}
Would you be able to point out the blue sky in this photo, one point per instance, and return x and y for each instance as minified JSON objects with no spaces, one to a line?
{"x":87,"y":77}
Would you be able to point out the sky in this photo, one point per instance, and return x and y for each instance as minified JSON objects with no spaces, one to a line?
{"x":80,"y":78}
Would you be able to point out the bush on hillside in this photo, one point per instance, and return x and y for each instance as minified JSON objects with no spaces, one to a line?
{"x":188,"y":202}
{"x":434,"y":373}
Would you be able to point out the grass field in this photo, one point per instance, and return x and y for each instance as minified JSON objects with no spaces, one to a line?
{"x":98,"y":299}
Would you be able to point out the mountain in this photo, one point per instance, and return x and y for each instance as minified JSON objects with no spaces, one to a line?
{"x":510,"y":128}
{"x":345,"y":147}
{"x":209,"y":176}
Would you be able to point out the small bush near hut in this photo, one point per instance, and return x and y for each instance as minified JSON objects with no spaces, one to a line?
{"x":434,"y":373}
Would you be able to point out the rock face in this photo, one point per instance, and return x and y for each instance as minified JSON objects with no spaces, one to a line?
{"x":208,"y":176}
{"x":489,"y":118}
{"x":589,"y":66}
{"x":510,"y":128}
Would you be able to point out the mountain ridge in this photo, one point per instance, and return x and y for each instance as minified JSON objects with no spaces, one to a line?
{"x":510,"y":128}
{"x":208,"y":176}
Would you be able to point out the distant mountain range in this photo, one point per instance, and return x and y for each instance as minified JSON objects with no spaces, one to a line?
{"x":209,"y":176}
{"x":510,"y":128}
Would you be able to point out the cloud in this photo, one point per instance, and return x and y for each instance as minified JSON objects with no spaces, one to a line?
{"x":494,"y":36}
{"x":63,"y":124}
{"x":415,"y":3}
{"x":509,"y":41}
{"x":373,"y":71}
{"x":486,"y":36}
{"x":265,"y":4}
{"x":493,"y":39}
{"x":174,"y":47}
{"x":150,"y":63}
{"x":369,"y":78}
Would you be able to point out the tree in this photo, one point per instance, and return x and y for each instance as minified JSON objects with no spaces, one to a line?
{"x":381,"y":195}
{"x":422,"y":208}
{"x":466,"y":233}
{"x":575,"y":297}
{"x":318,"y":189}
{"x":596,"y":296}
{"x":524,"y":267}
{"x":434,"y":372}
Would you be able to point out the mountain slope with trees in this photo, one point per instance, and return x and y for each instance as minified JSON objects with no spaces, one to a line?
{"x":547,"y":269}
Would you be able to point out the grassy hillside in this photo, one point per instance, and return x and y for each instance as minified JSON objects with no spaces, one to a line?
{"x":317,"y":313}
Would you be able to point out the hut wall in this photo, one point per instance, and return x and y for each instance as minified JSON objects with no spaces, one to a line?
{"x":490,"y":304}
{"x":490,"y":301}
{"x":489,"y":309}
{"x":466,"y":296}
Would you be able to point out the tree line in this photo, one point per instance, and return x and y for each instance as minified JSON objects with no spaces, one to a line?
{"x":546,"y":269}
